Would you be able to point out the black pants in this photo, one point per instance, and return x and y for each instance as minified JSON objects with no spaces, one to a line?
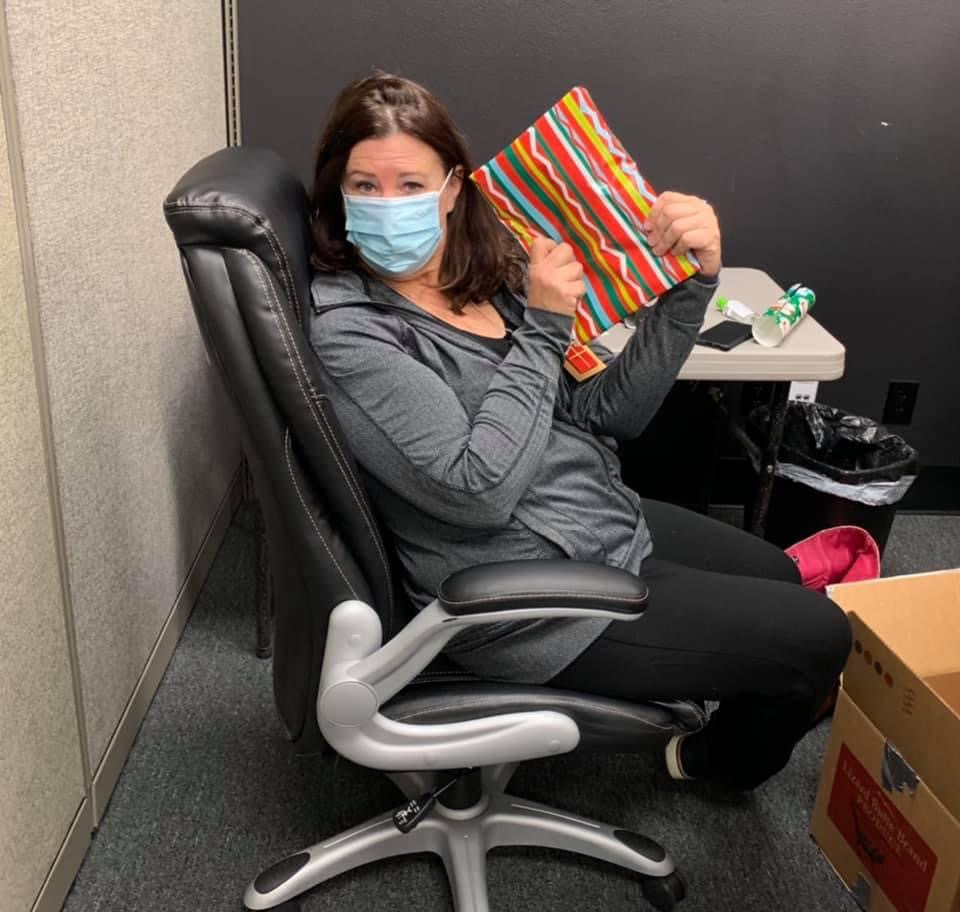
{"x":727,"y":620}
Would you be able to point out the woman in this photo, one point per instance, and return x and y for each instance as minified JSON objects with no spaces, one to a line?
{"x":443,"y":352}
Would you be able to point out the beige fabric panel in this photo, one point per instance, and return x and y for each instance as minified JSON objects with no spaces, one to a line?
{"x":117,"y":98}
{"x":41,"y":774}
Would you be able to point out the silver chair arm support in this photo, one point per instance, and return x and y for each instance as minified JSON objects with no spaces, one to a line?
{"x":359,"y":675}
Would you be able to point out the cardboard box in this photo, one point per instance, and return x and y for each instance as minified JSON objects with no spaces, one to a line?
{"x":888,"y":806}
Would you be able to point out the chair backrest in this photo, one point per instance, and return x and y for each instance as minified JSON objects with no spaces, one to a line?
{"x":241,"y":222}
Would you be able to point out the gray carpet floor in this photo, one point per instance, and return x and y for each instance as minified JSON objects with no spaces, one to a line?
{"x":213,"y":793}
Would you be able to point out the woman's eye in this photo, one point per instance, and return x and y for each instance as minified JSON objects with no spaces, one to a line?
{"x":412,"y":187}
{"x":365,"y":186}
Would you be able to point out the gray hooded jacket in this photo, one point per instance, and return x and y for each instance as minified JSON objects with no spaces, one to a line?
{"x":472,"y":456}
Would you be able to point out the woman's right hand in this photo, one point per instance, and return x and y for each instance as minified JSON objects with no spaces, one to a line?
{"x":555,"y":279}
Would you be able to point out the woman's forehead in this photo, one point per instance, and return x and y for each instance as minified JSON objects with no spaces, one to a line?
{"x":398,"y":153}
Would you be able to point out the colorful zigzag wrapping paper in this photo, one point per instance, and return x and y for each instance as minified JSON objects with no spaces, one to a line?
{"x":569,"y":178}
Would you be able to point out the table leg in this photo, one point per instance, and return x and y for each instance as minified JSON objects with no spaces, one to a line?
{"x":768,"y":463}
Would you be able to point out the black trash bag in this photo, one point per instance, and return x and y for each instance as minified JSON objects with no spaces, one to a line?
{"x":846,"y":448}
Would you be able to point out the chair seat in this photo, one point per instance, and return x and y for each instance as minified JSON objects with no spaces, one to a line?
{"x":604,"y":724}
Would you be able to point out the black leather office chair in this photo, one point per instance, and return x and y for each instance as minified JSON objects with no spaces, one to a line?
{"x":352,"y":664}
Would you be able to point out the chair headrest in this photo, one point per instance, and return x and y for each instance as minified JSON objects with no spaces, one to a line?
{"x":247,"y":197}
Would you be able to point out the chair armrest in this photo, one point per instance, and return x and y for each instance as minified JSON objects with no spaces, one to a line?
{"x":359,"y":674}
{"x":544,"y":583}
{"x":493,"y":593}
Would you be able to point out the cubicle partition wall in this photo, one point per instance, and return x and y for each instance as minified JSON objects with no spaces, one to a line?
{"x":118,"y":455}
{"x":41,"y":768}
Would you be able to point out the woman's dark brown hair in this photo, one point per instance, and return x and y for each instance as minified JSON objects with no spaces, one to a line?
{"x":480,"y":254}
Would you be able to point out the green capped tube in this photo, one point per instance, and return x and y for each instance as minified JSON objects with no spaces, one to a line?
{"x":773,"y":326}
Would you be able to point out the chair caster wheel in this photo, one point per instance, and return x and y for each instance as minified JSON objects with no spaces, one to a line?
{"x":663,"y":893}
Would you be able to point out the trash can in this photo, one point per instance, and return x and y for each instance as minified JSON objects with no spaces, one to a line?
{"x":835,"y":469}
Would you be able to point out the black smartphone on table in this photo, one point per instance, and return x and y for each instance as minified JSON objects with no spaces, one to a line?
{"x":725,"y":335}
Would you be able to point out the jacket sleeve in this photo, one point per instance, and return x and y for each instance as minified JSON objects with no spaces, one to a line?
{"x":408,"y":428}
{"x":621,"y":400}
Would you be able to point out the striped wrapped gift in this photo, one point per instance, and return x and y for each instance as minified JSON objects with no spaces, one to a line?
{"x":569,"y":178}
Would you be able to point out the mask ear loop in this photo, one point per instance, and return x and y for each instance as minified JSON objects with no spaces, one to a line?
{"x":443,"y":187}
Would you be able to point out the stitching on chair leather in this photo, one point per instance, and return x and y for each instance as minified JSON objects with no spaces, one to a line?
{"x":446,"y":674}
{"x":319,"y":418}
{"x":629,"y":599}
{"x":374,"y":534}
{"x":325,"y":430}
{"x":344,"y":466}
{"x":272,"y":239}
{"x":479,"y":704}
{"x":306,"y":509}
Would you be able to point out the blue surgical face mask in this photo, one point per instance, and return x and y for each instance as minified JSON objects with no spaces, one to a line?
{"x":396,"y":235}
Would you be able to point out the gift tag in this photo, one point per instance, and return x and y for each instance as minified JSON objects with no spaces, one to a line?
{"x":582,"y":362}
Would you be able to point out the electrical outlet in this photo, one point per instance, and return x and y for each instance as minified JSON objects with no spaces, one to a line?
{"x":901,"y":400}
{"x":804,"y":390}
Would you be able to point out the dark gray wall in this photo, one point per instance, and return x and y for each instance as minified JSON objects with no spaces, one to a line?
{"x":826,"y":133}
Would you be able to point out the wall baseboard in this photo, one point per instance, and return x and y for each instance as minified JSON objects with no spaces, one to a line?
{"x":115,"y":756}
{"x":74,"y":848}
{"x":72,"y":852}
{"x":936,"y":490}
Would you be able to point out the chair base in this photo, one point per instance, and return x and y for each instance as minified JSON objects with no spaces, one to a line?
{"x":462,"y":839}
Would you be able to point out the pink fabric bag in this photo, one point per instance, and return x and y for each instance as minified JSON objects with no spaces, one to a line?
{"x":843,"y":554}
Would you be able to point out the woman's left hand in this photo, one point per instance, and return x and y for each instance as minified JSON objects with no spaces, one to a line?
{"x":679,"y":223}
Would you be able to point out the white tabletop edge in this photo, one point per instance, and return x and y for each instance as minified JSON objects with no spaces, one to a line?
{"x":809,"y":353}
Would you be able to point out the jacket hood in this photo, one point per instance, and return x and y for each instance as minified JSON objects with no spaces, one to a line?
{"x":331,"y":290}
